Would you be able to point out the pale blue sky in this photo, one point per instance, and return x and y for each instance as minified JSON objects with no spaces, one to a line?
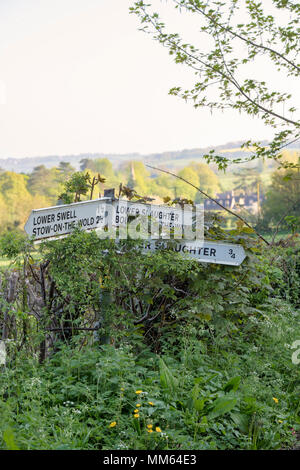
{"x":77,"y":76}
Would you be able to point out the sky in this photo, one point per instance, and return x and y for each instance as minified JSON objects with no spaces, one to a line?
{"x":77,"y":76}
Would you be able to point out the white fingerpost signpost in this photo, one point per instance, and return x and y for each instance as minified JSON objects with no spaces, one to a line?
{"x":111,"y":213}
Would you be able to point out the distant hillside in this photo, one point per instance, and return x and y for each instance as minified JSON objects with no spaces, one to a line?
{"x":171,"y":159}
{"x":26,"y":165}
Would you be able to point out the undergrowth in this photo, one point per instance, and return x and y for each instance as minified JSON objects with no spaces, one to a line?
{"x":218,"y":391}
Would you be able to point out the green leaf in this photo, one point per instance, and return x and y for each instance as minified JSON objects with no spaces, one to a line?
{"x":167,"y":380}
{"x":8,"y":437}
{"x":199,"y":404}
{"x":222,"y":405}
{"x":232,"y":384}
{"x":241,"y":421}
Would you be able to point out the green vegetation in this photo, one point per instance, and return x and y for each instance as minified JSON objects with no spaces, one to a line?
{"x":132,"y":351}
{"x":44,"y":187}
{"x":106,"y":347}
{"x":115,"y":351}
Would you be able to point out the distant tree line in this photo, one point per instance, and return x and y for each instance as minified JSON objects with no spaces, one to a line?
{"x":20,"y":193}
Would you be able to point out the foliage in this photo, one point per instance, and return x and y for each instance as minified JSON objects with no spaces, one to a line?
{"x":12,"y":244}
{"x":162,"y":353}
{"x":283,"y":199}
{"x":114,"y":348}
{"x":233,"y":37}
{"x":247,"y":180}
{"x":65,"y":169}
{"x":45,"y":181}
{"x":287,"y":270}
{"x":153,"y":293}
{"x":223,"y":392}
{"x":98,"y":165}
{"x":201,"y":176}
{"x":19,"y":195}
{"x":15,"y":198}
{"x":78,"y":184}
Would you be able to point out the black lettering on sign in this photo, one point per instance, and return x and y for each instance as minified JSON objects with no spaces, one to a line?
{"x":69,"y":225}
{"x":46,"y":229}
{"x":43,"y":219}
{"x":212,"y":252}
{"x":86,"y":222}
{"x":66,"y":215}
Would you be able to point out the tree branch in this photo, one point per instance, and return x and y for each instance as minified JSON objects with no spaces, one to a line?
{"x":229,"y":77}
{"x":248,"y":41}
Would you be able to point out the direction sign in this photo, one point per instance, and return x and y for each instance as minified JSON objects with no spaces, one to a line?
{"x":167,"y":216}
{"x":203,"y":251}
{"x":60,"y":220}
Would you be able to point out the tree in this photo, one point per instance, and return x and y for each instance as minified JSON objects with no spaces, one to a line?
{"x":247,"y":180}
{"x":16,"y":201}
{"x":65,"y":169}
{"x":234,"y":36}
{"x":290,"y":159}
{"x":135,"y":176}
{"x":86,"y":163}
{"x":163,"y":186}
{"x":3,"y":212}
{"x":104,"y":167}
{"x":44,"y":181}
{"x":199,"y":174}
{"x":283,"y":198}
{"x":77,"y":185}
{"x":181,"y":188}
{"x":208,"y":180}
